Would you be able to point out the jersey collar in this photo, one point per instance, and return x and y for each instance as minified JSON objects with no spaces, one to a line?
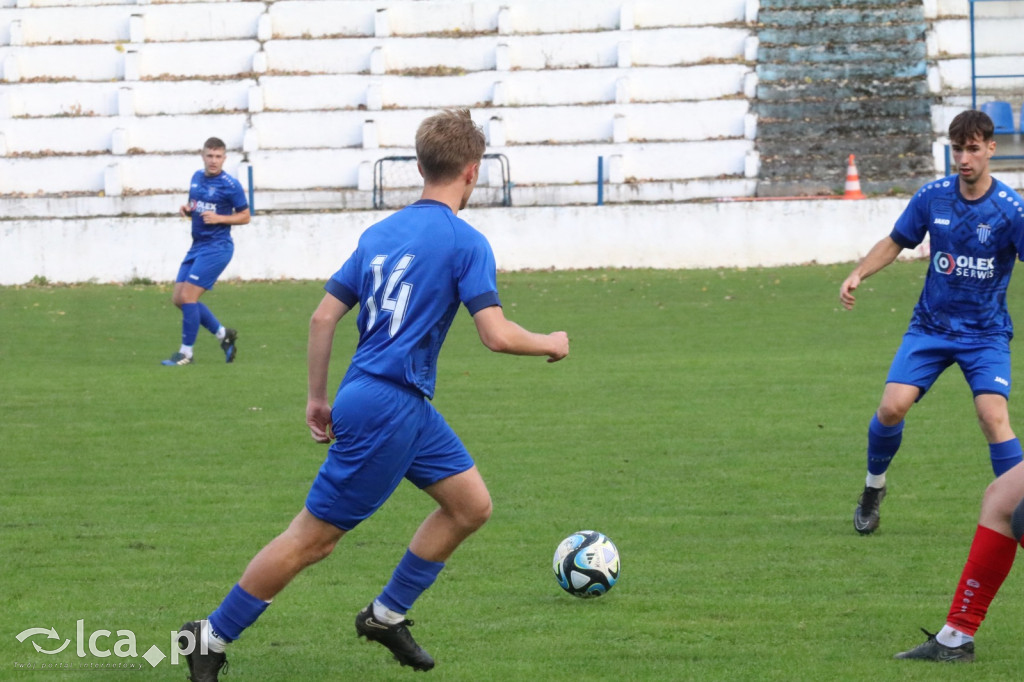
{"x":431,"y":202}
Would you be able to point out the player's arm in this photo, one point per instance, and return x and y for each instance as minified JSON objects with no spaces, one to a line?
{"x":881,"y":254}
{"x":321,"y":338}
{"x":501,"y":335}
{"x":237,"y":218}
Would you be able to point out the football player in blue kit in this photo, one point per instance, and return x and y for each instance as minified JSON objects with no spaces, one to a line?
{"x":216,"y":202}
{"x":975,"y":225}
{"x":408,"y":274}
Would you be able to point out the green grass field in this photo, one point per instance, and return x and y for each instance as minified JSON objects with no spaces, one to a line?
{"x":712,"y":423}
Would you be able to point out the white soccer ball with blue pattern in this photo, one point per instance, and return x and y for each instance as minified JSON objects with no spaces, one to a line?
{"x":586,"y":564}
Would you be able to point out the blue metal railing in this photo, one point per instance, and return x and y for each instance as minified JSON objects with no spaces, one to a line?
{"x":974,"y":71}
{"x":975,"y":76}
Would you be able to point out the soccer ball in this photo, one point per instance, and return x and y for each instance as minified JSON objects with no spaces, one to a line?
{"x":586,"y":564}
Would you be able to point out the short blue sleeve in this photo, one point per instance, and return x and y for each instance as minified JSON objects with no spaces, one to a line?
{"x":238,"y":199}
{"x":344,"y":284}
{"x":476,"y":272}
{"x":912,"y":225}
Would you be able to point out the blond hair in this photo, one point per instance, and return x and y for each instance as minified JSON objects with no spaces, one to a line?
{"x":446,"y":143}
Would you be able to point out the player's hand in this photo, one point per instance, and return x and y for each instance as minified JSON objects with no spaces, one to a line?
{"x":184,"y":212}
{"x":846,"y":290}
{"x":211,"y":217}
{"x":318,"y":419}
{"x":561,"y":346}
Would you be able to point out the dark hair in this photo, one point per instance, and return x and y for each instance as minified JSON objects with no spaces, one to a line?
{"x":971,"y":124}
{"x":446,"y":143}
{"x":214,"y":143}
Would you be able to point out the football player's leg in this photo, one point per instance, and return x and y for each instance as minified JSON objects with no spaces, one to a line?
{"x":885,"y":431}
{"x":306,"y":541}
{"x":444,"y":469}
{"x":464,"y":505}
{"x":190,"y":294}
{"x":991,"y":556}
{"x":393,"y":445}
{"x":918,"y":362}
{"x":208,"y":266}
{"x":988,"y":371}
{"x":185,"y":297}
{"x":207,"y":319}
{"x":999,"y":531}
{"x":1003,"y":446}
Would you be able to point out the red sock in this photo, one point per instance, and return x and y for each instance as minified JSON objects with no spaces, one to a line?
{"x":988,"y":564}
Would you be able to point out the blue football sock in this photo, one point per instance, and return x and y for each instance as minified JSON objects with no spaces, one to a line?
{"x":207,"y":318}
{"x":1005,"y":455}
{"x":189,"y":323}
{"x":411,"y":578}
{"x":238,"y":611}
{"x":883,"y":442}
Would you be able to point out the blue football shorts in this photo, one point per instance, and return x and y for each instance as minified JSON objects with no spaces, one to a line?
{"x":383,"y":433}
{"x":921,"y":358}
{"x":205,"y":262}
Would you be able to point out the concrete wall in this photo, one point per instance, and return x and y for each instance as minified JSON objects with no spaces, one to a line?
{"x":313,"y":245}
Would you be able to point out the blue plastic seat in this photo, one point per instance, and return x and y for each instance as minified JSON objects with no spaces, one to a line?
{"x":1001,"y":114}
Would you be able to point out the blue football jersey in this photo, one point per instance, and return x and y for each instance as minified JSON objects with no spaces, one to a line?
{"x":221,"y":194}
{"x":409,"y":273}
{"x":974,"y":245}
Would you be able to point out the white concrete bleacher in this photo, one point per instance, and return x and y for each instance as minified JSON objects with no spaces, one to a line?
{"x":485,"y":89}
{"x":118,"y":98}
{"x":333,"y":18}
{"x":998,"y":47}
{"x":583,"y":91}
{"x":312,"y":92}
{"x":998,"y":51}
{"x":90,"y":88}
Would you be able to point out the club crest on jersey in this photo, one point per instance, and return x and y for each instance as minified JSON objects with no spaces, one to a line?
{"x":984,"y":231}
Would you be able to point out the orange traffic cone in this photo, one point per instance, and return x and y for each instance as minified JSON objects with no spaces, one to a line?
{"x":852,"y":181}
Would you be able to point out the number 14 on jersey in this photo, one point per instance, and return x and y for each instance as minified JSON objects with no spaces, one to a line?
{"x":395,"y":303}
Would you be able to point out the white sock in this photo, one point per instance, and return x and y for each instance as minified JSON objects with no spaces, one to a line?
{"x":875,"y":481}
{"x":185,"y":350}
{"x":213,"y":642}
{"x":951,"y":637}
{"x":221,"y":333}
{"x":386,"y":615}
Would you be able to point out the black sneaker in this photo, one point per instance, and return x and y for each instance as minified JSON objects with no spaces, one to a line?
{"x":396,"y":638}
{"x":201,"y":667}
{"x":227,"y":344}
{"x":932,"y":650}
{"x":866,"y":517}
